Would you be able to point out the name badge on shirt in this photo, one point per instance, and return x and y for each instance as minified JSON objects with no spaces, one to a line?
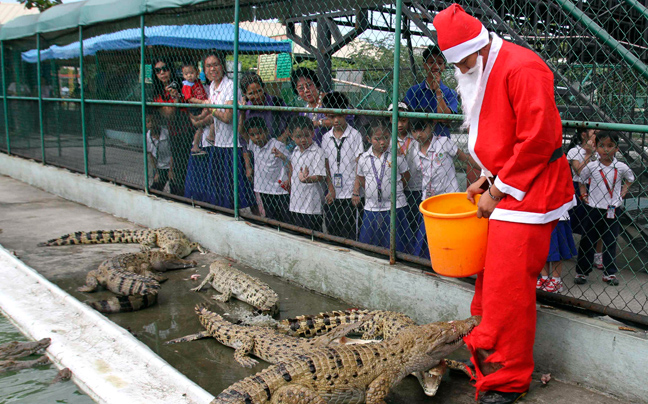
{"x":337,"y":181}
{"x":610,"y":212}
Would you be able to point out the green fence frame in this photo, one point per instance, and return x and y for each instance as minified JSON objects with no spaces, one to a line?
{"x":393,"y":255}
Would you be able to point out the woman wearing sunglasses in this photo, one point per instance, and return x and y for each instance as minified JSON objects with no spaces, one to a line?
{"x":166,"y":87}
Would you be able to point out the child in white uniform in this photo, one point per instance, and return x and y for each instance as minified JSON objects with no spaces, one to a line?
{"x":306,"y":173}
{"x":610,"y":180}
{"x":267,"y":174}
{"x":435,"y":158}
{"x":374,"y":175}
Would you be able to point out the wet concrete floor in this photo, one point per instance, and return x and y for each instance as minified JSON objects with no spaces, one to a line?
{"x":29,"y":215}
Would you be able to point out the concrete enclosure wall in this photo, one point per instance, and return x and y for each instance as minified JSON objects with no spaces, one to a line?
{"x":572,"y":347}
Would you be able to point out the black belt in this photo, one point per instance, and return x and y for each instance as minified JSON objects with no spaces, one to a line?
{"x":558,"y":153}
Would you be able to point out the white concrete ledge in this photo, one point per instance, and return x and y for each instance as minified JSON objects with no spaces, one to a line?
{"x":572,"y":347}
{"x":107,"y":363}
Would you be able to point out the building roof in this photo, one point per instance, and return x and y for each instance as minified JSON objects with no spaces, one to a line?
{"x":9,"y":11}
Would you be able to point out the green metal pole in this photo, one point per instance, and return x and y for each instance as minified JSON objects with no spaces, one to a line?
{"x":143,"y":102}
{"x":603,"y":36}
{"x":84,"y":134}
{"x":638,"y":6}
{"x":6,"y":101}
{"x":235,"y":113}
{"x":394,"y":139}
{"x":40,"y":98}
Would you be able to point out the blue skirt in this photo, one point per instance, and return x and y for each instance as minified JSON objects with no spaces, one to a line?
{"x":562,"y":246}
{"x":199,"y":184}
{"x":375,"y":229}
{"x":222,"y":164}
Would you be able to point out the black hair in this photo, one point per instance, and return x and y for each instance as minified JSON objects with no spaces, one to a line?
{"x":222,"y":58}
{"x":187,"y":63}
{"x":418,"y":124}
{"x":250,"y":78}
{"x":335,"y":100}
{"x":305,"y":73}
{"x":606,"y":134}
{"x":300,"y":122}
{"x":378,"y":124}
{"x":255,"y":122}
{"x":158,"y":87}
{"x":432,"y":51}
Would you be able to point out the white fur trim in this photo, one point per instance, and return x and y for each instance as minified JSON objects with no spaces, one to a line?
{"x":496,"y":45}
{"x":507,"y":189}
{"x":517,"y":216}
{"x":458,"y":52}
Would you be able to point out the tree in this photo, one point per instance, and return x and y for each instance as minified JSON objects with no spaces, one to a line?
{"x":41,"y":5}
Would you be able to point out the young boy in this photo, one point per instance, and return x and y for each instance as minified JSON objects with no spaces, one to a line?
{"x":610,"y":180}
{"x":306,"y":174}
{"x":158,"y":148}
{"x":268,"y":169}
{"x":407,"y":147}
{"x":374,"y":175}
{"x":434,"y":158}
{"x":342,"y":145}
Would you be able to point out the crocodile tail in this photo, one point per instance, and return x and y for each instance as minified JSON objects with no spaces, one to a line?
{"x":123,"y":304}
{"x":96,"y":237}
{"x":320,"y":324}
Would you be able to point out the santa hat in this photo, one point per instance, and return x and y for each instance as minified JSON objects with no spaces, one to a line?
{"x":458,"y":33}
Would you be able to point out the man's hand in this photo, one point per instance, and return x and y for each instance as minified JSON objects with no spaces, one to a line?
{"x":436,"y":81}
{"x":487,"y":204}
{"x":303,"y":174}
{"x":355,"y":200}
{"x":475,"y":189}
{"x":249,"y":173}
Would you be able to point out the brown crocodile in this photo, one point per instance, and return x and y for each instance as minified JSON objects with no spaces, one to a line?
{"x":13,"y":365}
{"x":168,"y":239}
{"x":351,"y":373}
{"x":16,"y":349}
{"x":229,"y":281}
{"x":130,"y":277}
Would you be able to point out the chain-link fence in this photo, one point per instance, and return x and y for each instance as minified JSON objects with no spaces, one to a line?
{"x":338,"y":131}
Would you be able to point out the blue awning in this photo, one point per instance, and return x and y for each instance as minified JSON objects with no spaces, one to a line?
{"x":215,"y":36}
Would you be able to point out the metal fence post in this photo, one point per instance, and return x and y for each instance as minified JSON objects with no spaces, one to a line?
{"x":4,"y":93}
{"x":40,"y":98}
{"x":143,"y":102}
{"x":235,"y":120}
{"x":394,"y":139}
{"x":84,"y":134}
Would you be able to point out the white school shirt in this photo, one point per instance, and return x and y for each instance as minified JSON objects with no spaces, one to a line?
{"x":409,"y":147}
{"x":160,"y":148}
{"x":307,"y":198}
{"x":437,"y":166}
{"x":365,"y":169}
{"x":268,"y":169}
{"x":599,"y":197}
{"x":223,"y":132}
{"x":577,"y":153}
{"x":351,"y":148}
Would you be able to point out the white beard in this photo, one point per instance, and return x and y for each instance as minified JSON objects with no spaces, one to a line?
{"x":468,"y":88}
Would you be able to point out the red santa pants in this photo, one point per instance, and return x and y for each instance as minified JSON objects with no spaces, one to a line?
{"x":505,"y":297}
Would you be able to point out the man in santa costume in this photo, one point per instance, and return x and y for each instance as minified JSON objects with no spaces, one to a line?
{"x":515,"y":135}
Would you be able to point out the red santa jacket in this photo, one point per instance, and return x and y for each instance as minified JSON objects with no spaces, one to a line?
{"x":514,"y":130}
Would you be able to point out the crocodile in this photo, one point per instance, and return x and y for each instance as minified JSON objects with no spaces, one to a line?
{"x":130,"y":277}
{"x":263,"y":342}
{"x":16,"y":349}
{"x":376,"y":324}
{"x":168,"y":239}
{"x":229,"y":281}
{"x":351,"y":373}
{"x":13,"y":365}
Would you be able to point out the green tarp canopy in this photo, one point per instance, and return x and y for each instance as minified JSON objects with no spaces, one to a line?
{"x":88,"y":12}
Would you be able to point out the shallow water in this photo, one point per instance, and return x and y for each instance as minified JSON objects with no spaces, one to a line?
{"x":33,"y":385}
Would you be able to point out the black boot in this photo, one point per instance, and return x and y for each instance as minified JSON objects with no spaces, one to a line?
{"x":499,"y":397}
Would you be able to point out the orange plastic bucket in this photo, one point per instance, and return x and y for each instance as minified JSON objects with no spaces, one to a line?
{"x":456,"y":237}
